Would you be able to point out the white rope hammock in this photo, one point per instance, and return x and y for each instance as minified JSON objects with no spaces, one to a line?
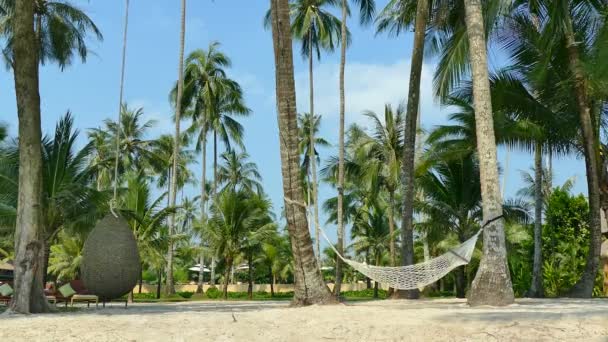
{"x":415,"y":276}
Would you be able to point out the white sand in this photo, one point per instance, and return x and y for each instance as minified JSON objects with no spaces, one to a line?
{"x":425,"y":320}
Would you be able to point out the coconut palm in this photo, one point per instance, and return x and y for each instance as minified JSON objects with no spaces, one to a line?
{"x":29,"y":295}
{"x":276,"y":257}
{"x":396,"y":23}
{"x":563,"y":25}
{"x":237,"y":173}
{"x":367,"y":10}
{"x":66,"y":256}
{"x":309,"y":129}
{"x":310,"y":287}
{"x":213,"y":99}
{"x":317,"y":29}
{"x":492,"y":284}
{"x":162,"y":159}
{"x":61,"y":30}
{"x":170,"y":289}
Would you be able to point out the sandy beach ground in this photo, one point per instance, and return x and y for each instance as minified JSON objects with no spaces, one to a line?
{"x":424,"y":320}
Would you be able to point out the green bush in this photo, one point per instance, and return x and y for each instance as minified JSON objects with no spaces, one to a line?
{"x":213,"y":293}
{"x":144,"y":296}
{"x":367,"y":293}
{"x":185,"y":294}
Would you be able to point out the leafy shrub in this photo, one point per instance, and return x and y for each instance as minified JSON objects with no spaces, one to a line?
{"x":367,"y":293}
{"x":144,"y":296}
{"x":185,"y":294}
{"x":213,"y":293}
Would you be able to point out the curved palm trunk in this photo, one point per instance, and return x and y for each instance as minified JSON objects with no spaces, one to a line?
{"x":409,"y":147}
{"x":492,"y":285}
{"x":391,"y":227}
{"x":536,"y":288}
{"x":29,"y":255}
{"x":341,"y":231}
{"x":170,"y":288}
{"x":309,"y":286}
{"x":584,"y":287}
{"x":199,"y":286}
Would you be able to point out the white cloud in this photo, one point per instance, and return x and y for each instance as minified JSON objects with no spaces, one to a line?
{"x":369,"y":86}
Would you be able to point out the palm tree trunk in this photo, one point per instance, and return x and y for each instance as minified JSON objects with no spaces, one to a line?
{"x":409,"y":148}
{"x":158,"y":285}
{"x":199,"y":286}
{"x":391,"y":227}
{"x":176,"y":147}
{"x":227,"y":277}
{"x":309,"y":286}
{"x":212,"y":280}
{"x":536,"y":287}
{"x":250,"y":280}
{"x":584,"y":287}
{"x":29,"y":294}
{"x":214,"y":162}
{"x":272,"y":281}
{"x":311,"y":152}
{"x":492,"y":285}
{"x":340,"y":209}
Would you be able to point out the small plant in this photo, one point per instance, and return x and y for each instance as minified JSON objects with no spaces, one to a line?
{"x":185,"y":294}
{"x":213,"y":293}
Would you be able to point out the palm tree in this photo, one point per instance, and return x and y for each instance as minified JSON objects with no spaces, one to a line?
{"x":571,"y":27}
{"x":170,"y":289}
{"x":61,"y":30}
{"x":237,"y":173}
{"x":310,"y":287}
{"x":492,"y":284}
{"x":309,"y":128}
{"x":276,"y":256}
{"x":317,"y":29}
{"x":388,"y":21}
{"x":70,"y":200}
{"x":386,"y":148}
{"x":367,"y":9}
{"x":213,"y":98}
{"x":29,"y":295}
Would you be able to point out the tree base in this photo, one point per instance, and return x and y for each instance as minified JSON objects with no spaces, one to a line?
{"x":329,"y":299}
{"x":405,"y":294}
{"x":582,"y":289}
{"x":492,"y":289}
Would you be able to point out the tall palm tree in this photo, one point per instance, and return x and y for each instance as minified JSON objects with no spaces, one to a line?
{"x":29,"y":295}
{"x":170,"y":288}
{"x":61,"y":31}
{"x":309,"y":128}
{"x":367,"y":10}
{"x":571,"y":26}
{"x":213,"y":98}
{"x":492,"y":284}
{"x":237,"y":173}
{"x":317,"y":29}
{"x":309,"y":285}
{"x":388,"y":21}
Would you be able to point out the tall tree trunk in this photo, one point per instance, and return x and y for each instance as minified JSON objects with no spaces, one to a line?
{"x":311,"y":152}
{"x":584,"y":287}
{"x":45,"y":263}
{"x":341,"y":231}
{"x":409,"y":147}
{"x":201,"y":272}
{"x":536,"y":287}
{"x":199,"y":288}
{"x":214,"y":162}
{"x":250,"y":275}
{"x":272,"y":281}
{"x":492,"y":285}
{"x":159,"y":284}
{"x":461,"y":282}
{"x":176,"y":146}
{"x":212,"y":274}
{"x":391,"y":227}
{"x":309,"y":286}
{"x":227,"y":277}
{"x":141,"y":278}
{"x":29,"y":254}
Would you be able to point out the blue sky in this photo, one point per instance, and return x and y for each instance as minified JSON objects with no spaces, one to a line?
{"x":377,"y":72}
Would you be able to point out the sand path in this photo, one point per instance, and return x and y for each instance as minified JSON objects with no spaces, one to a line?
{"x":425,"y":320}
